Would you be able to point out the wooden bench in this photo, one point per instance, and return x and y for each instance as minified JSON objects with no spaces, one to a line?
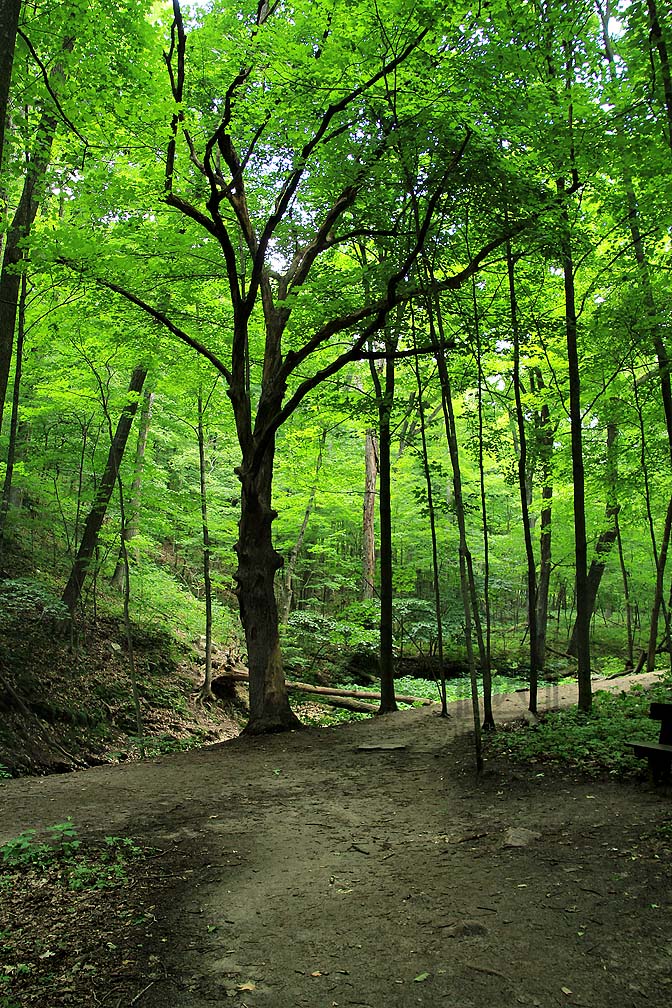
{"x":659,"y":754}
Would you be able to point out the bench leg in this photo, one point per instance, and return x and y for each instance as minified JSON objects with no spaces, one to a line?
{"x":659,"y":765}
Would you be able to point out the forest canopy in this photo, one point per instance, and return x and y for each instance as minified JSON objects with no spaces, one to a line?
{"x":352,"y":319}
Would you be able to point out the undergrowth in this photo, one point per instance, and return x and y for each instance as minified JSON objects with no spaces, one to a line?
{"x":596,"y":741}
{"x":62,"y":859}
{"x":423,"y":689}
{"x":71,"y":915}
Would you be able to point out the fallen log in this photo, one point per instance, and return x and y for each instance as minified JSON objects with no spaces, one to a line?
{"x":561,"y":654}
{"x":327,"y":691}
{"x":351,"y":705}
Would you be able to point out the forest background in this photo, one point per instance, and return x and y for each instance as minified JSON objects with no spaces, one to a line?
{"x":378,"y":293}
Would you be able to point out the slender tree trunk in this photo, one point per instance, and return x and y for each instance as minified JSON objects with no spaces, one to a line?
{"x":287,"y":592}
{"x":16,"y":397}
{"x":583,"y":610}
{"x":435,"y":551}
{"x":658,"y":42}
{"x":130,"y":529}
{"x":130,"y":647}
{"x":607,"y":536}
{"x":522,"y":484}
{"x":458,"y":501}
{"x":368,"y":522}
{"x":96,"y":515}
{"x":18,"y":233}
{"x":9,"y":23}
{"x":385,"y":404}
{"x":626,"y":594}
{"x":659,"y":590}
{"x":545,"y":433}
{"x":206,"y":689}
{"x":465,"y":557}
{"x":486,"y":657}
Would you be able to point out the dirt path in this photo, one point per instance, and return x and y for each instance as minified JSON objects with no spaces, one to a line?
{"x":311,"y":869}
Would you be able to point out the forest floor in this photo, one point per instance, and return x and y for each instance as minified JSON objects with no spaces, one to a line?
{"x":364,"y":864}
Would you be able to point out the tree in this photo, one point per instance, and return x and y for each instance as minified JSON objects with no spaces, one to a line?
{"x":282,"y":179}
{"x":98,"y":510}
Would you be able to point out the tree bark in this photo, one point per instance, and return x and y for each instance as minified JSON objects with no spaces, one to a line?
{"x":583,"y":609}
{"x":19,"y":231}
{"x":545,"y":433}
{"x":432,"y":530}
{"x":130,"y":529}
{"x":626,"y":594}
{"x":385,"y":397}
{"x":659,"y":591}
{"x":658,"y":42}
{"x":607,"y":536}
{"x":467,"y":590}
{"x":16,"y":398}
{"x":258,"y":562}
{"x":523,"y":488}
{"x":368,"y":520}
{"x":206,"y":688}
{"x":96,"y":516}
{"x":9,"y":23}
{"x":486,"y":656}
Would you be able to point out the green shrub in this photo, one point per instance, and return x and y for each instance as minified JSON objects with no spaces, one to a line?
{"x":25,"y":599}
{"x":62,"y":853}
{"x":594,"y":741}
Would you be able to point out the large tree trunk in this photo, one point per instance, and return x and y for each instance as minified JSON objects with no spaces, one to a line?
{"x":258,"y":562}
{"x":96,"y":516}
{"x":658,"y":43}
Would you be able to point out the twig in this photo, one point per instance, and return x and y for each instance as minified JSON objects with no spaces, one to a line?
{"x":138,"y":996}
{"x":485,"y":969}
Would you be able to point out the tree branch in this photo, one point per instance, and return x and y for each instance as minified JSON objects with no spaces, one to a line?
{"x":67,"y":45}
{"x":158,"y":316}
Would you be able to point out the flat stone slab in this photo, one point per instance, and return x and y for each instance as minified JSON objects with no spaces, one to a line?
{"x":518,"y":836}
{"x":381,"y":747}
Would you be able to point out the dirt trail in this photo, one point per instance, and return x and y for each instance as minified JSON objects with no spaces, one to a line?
{"x":311,"y":869}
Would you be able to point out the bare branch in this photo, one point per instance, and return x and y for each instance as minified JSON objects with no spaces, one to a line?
{"x":67,"y":46}
{"x":292,"y":183}
{"x":178,"y":44}
{"x":157,"y":315}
